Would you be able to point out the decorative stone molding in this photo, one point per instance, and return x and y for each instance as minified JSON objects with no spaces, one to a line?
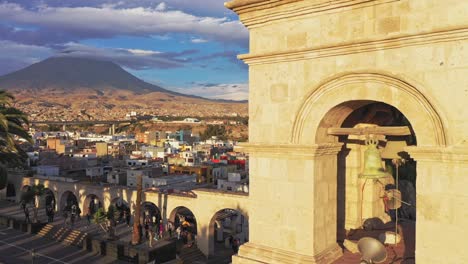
{"x":254,"y":253}
{"x":262,"y":11}
{"x":407,"y":90}
{"x":457,"y":154}
{"x":340,"y":49}
{"x":290,"y":150}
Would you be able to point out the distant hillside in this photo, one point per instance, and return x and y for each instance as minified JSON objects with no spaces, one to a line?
{"x":79,"y":88}
{"x":71,"y":73}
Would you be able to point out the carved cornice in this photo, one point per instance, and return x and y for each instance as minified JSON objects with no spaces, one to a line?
{"x":290,"y":150}
{"x":263,"y":11}
{"x":452,"y":154}
{"x":356,"y":47}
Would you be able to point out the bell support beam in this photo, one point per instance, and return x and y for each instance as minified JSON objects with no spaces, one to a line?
{"x":377,"y":130}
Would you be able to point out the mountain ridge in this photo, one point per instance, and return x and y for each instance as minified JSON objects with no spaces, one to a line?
{"x":71,"y":73}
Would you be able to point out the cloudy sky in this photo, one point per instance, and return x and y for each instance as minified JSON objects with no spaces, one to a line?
{"x":177,"y":44}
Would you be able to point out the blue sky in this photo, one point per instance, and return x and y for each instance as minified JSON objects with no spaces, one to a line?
{"x":183,"y":45}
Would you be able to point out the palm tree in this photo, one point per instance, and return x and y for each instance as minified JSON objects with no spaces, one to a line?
{"x":12,"y":123}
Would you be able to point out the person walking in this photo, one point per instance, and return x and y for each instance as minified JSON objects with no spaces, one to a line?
{"x":52,"y":214}
{"x":26,"y":215}
{"x":65,"y":218}
{"x":151,"y":237}
{"x":88,"y":218}
{"x":235,"y":245}
{"x":161,"y":229}
{"x":169,"y":229}
{"x":178,"y":232}
{"x":127,"y":217}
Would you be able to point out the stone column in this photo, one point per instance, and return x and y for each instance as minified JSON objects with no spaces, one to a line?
{"x":293,"y":204}
{"x":441,"y":203}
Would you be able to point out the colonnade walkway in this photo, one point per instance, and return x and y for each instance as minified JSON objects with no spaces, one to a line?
{"x":81,"y":227}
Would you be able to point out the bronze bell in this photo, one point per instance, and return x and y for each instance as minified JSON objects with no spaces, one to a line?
{"x":372,"y":162}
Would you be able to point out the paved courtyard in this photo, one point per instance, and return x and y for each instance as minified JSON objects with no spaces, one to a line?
{"x":123,"y":232}
{"x":16,"y":246}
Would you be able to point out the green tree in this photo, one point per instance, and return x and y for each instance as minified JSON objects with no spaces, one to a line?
{"x":12,"y":123}
{"x":100,"y":218}
{"x":214,"y":130}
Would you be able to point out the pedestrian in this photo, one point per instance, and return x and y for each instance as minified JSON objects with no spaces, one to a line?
{"x":146,"y":231}
{"x":52,"y":213}
{"x":169,"y":229}
{"x":47,"y":211}
{"x":72,"y":219}
{"x":127,"y":218}
{"x":88,"y":218}
{"x":65,"y":217}
{"x":151,"y":237}
{"x":235,"y":245}
{"x":231,"y":240}
{"x":26,"y":215}
{"x":178,"y":232}
{"x":161,"y":229}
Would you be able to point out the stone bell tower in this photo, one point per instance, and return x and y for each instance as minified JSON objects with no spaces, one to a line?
{"x":311,"y":64}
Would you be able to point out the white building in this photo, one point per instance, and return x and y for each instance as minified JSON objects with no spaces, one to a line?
{"x":137,"y":162}
{"x":191,"y":120}
{"x":233,"y":183}
{"x":93,"y":172}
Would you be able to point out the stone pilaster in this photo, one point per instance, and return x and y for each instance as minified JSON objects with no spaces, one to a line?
{"x":441,"y":202}
{"x":292,"y":194}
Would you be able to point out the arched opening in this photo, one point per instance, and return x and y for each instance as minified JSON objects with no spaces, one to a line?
{"x":67,"y":200}
{"x":91,"y":204}
{"x":150,"y":214}
{"x":363,"y":207}
{"x":122,"y":209}
{"x":25,"y":188}
{"x":184,"y":223}
{"x":184,"y":218}
{"x":228,"y":229}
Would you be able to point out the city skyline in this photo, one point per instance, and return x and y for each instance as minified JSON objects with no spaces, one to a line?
{"x":179,"y":46}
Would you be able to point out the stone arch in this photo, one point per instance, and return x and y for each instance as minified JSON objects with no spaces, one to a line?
{"x":187,"y":214}
{"x":149,"y":209}
{"x":237,"y":227}
{"x":25,"y":188}
{"x":120,"y":206}
{"x":67,"y":199}
{"x":326,"y":101}
{"x":91,"y":203}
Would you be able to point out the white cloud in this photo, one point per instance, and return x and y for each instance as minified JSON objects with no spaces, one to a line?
{"x":198,"y":40}
{"x":218,"y":91}
{"x":143,"y":52}
{"x":161,"y":7}
{"x":136,"y":59}
{"x":108,"y":21}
